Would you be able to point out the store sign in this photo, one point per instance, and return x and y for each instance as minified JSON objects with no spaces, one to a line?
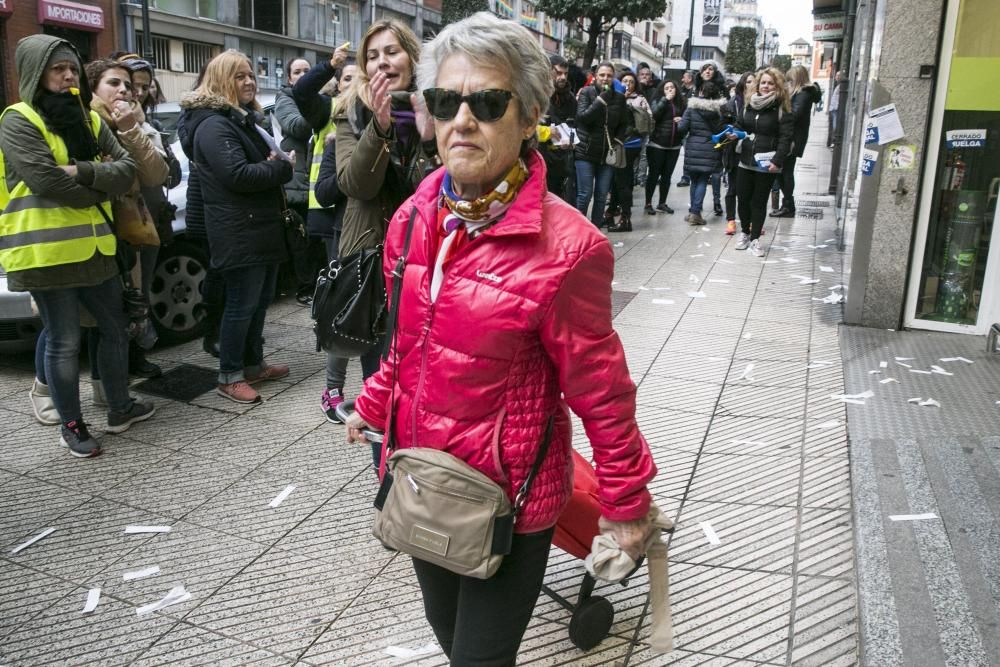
{"x":6,"y":7}
{"x":965,"y":139}
{"x":828,"y":27}
{"x":70,"y":15}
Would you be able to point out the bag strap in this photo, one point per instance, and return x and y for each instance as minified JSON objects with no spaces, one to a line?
{"x":522,"y":494}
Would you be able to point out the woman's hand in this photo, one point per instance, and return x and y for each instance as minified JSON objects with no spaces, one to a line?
{"x":354,"y":425}
{"x":124,"y":117}
{"x":773,"y":168}
{"x":291,"y":155}
{"x":378,"y":93}
{"x":630,"y":535}
{"x":339,"y":56}
{"x":677,"y":119}
{"x":425,"y":123}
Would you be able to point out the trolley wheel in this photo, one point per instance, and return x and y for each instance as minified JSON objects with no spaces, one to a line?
{"x":591,"y":622}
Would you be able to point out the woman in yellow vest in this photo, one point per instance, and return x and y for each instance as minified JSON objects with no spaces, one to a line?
{"x":60,"y":166}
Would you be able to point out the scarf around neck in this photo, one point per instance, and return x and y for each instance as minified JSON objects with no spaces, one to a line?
{"x":492,"y":205}
{"x":65,"y":116}
{"x":760,"y":102}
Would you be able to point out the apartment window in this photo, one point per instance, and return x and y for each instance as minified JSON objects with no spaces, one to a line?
{"x":197,"y":55}
{"x":621,"y":45}
{"x":266,"y":15}
{"x":161,"y":49}
{"x":332,"y":23}
{"x":206,"y":9}
{"x":710,"y":18}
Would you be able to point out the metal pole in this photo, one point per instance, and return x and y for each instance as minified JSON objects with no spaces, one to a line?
{"x":147,"y":38}
{"x":690,"y":36}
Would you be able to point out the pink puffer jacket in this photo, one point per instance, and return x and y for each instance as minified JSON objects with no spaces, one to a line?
{"x":521,"y":328}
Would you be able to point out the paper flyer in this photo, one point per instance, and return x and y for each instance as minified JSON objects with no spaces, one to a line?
{"x":887,"y":121}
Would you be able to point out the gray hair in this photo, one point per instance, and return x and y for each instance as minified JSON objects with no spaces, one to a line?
{"x":499,"y":44}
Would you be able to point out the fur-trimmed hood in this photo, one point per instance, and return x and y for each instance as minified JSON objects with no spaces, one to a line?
{"x":702,"y":104}
{"x":198,"y":100}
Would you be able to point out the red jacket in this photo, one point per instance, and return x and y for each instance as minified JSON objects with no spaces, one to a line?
{"x":521,"y":328}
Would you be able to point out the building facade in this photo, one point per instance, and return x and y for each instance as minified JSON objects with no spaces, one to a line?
{"x":801,"y":52}
{"x":707,"y":43}
{"x":89,"y":25}
{"x":919,"y":166}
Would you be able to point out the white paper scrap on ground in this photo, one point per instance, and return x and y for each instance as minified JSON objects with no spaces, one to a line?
{"x":833,"y":297}
{"x":93,"y":597}
{"x":660,"y":289}
{"x":697,"y":295}
{"x":141,"y":574}
{"x":852,"y":401}
{"x":135,"y":530}
{"x":747,"y":336}
{"x":874,"y":372}
{"x":620,"y":244}
{"x":865,"y":394}
{"x":769,"y":261}
{"x":747,"y":373}
{"x":721,"y":281}
{"x":939,"y":370}
{"x":817,"y":247}
{"x":826,"y":269}
{"x":790,"y":260}
{"x":912,"y":517}
{"x":914,"y":400}
{"x":833,"y":423}
{"x":883,"y":364}
{"x":748,"y":442}
{"x":696,"y":256}
{"x":663,"y":302}
{"x":643,"y":288}
{"x":839,"y":287}
{"x":900,"y":363}
{"x":25,"y":545}
{"x":280,"y":498}
{"x":693,"y":279}
{"x":176,"y":595}
{"x":829,"y":240}
{"x":930,"y":403}
{"x":888,"y":380}
{"x":905,"y":358}
{"x":706,"y":527}
{"x":705,"y":244}
{"x":403,"y":652}
{"x":945,"y":360}
{"x":809,"y":281}
{"x":917,"y":370}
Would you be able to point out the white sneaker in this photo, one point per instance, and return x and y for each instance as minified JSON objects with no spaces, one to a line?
{"x":742,"y":241}
{"x":755,"y":248}
{"x":42,"y":404}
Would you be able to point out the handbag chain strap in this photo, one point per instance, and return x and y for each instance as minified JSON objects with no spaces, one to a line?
{"x":391,"y":347}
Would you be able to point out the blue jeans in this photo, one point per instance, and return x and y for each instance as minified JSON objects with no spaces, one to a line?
{"x":593,"y":179}
{"x":699,"y":186}
{"x":249,"y":291}
{"x":60,"y":311}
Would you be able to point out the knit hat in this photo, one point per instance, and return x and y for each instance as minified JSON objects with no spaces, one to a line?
{"x":64,"y":52}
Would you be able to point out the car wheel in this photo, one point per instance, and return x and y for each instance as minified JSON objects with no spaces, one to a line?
{"x":175,"y":297}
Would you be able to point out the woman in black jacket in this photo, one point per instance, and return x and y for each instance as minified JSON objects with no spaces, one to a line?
{"x":240,"y":176}
{"x":768,"y":122}
{"x":664,"y":145}
{"x":702,"y":161}
{"x":601,"y":114}
{"x":803,"y":96}
{"x":730,"y":159}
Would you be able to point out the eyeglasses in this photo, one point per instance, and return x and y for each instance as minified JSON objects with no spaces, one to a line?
{"x":488,"y":106}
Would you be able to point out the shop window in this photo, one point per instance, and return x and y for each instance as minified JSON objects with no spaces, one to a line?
{"x":967,"y":180}
{"x":207,"y":9}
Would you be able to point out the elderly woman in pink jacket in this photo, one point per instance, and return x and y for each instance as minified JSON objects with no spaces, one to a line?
{"x":504,"y":323}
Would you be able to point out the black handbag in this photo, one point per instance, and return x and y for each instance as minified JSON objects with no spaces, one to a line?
{"x":349,"y":302}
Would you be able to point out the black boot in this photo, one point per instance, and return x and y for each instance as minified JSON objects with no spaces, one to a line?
{"x":140,"y":366}
{"x":624,"y":224}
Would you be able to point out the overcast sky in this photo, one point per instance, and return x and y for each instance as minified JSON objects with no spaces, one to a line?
{"x":792,"y":18}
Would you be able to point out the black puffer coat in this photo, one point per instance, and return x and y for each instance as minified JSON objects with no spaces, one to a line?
{"x":665,"y":130}
{"x":240,"y":187}
{"x":701,"y":120}
{"x":771,"y":130}
{"x":593,"y":115}
{"x":802,"y":104}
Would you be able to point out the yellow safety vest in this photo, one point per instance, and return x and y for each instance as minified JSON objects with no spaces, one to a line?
{"x":35,"y":231}
{"x":319,"y":144}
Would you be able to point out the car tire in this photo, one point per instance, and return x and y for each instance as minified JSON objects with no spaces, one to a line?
{"x":176,"y":295}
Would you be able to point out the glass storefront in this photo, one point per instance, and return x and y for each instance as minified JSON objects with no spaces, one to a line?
{"x":953,"y":286}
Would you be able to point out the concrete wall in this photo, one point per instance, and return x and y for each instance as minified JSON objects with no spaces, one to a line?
{"x":908,"y":38}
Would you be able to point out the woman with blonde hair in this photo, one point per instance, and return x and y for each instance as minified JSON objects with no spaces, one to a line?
{"x":384,"y":147}
{"x":768,"y":122}
{"x":802,"y":96}
{"x":241,"y":174}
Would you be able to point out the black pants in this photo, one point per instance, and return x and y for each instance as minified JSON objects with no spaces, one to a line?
{"x":624,"y":181}
{"x":661,"y":169}
{"x":732,"y":176}
{"x":754,"y":188}
{"x":480,"y":622}
{"x":788,"y":183}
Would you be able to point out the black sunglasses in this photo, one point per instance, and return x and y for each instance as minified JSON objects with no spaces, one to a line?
{"x":488,"y":106}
